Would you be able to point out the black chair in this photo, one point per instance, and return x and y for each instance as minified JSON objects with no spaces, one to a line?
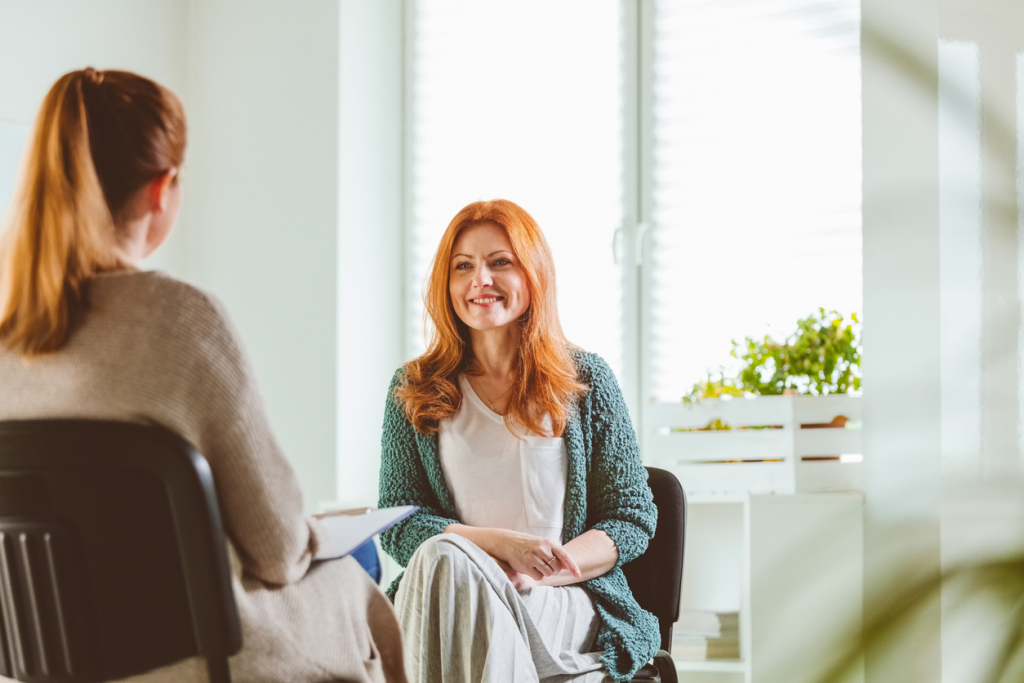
{"x":112,"y":556}
{"x":656,"y":576}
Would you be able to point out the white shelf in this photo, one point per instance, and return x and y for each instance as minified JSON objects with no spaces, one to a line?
{"x":791,"y":565}
{"x":715,"y":665}
{"x":738,"y":498}
{"x":717,"y":498}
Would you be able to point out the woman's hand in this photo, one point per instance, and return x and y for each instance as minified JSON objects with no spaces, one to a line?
{"x":532,"y":556}
{"x":593,"y":552}
{"x":518,"y":581}
{"x":536,"y":557}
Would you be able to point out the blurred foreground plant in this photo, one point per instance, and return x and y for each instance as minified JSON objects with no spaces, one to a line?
{"x":977,"y":595}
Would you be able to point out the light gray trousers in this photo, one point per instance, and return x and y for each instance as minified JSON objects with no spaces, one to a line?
{"x":463,"y":622}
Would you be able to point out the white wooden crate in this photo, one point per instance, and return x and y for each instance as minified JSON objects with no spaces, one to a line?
{"x":769,"y":449}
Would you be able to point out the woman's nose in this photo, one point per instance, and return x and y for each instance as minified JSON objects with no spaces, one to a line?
{"x":483,"y":277}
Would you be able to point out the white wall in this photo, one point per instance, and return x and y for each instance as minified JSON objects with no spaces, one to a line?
{"x":961,"y":255}
{"x":259,"y":226}
{"x":942,"y":307}
{"x":980,"y":72}
{"x":262,"y":195}
{"x":370,"y":244}
{"x":902,"y":411}
{"x":44,"y":39}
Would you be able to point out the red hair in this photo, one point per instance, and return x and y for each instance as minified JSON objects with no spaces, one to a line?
{"x":547,"y":383}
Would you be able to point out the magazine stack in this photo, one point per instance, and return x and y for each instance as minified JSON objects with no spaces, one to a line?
{"x":700,"y":634}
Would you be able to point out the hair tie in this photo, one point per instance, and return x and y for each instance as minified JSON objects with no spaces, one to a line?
{"x":93,"y":75}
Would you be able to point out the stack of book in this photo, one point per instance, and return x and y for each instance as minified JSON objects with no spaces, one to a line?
{"x":701,"y":634}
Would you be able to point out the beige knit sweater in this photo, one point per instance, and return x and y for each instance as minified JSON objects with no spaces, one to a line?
{"x":155,"y":350}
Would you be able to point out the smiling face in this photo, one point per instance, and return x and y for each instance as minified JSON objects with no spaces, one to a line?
{"x":486,"y":282}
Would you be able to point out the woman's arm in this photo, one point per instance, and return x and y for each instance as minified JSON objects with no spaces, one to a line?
{"x":525,"y":559}
{"x":519,"y":553}
{"x":260,"y":498}
{"x":404,"y":481}
{"x":619,"y":501}
{"x":595,"y":555}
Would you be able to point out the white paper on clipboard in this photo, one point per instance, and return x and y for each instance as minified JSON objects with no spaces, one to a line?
{"x":348,"y":532}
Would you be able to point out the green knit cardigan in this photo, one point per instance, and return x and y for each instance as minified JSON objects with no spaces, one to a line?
{"x":606,"y":489}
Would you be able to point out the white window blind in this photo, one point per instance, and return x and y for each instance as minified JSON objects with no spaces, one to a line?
{"x":522,"y":101}
{"x":756,"y":177}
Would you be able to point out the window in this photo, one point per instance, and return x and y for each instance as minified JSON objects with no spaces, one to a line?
{"x":717,"y":140}
{"x":756,"y":177}
{"x":503,"y":106}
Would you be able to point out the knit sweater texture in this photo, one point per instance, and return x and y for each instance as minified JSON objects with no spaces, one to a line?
{"x":606,"y":489}
{"x":154,"y":350}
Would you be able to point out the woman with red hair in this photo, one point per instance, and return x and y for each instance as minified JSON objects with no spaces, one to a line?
{"x":519,"y":451}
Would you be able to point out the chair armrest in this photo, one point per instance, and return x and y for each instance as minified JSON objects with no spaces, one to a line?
{"x":666,"y":667}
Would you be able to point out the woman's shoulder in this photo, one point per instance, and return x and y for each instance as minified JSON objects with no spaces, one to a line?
{"x":156,"y":292}
{"x":603,"y":395}
{"x":162,"y":307}
{"x":592,"y":369}
{"x":146,"y":285}
{"x":397,"y":380}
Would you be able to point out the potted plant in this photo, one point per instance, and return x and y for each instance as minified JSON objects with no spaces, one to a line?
{"x":821,"y":357}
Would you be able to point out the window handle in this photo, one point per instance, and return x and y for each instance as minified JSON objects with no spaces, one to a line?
{"x":641,"y":236}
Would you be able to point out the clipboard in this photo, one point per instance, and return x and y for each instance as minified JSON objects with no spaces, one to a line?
{"x":347,"y":531}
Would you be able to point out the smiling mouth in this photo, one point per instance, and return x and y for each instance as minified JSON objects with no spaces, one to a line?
{"x":484,"y":301}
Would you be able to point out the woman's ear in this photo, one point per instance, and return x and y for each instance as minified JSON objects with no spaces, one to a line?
{"x":160,"y":188}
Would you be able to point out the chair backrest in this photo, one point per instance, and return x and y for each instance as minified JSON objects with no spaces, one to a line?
{"x":656,"y":576}
{"x":112,"y":556}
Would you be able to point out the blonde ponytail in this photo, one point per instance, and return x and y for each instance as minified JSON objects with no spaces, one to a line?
{"x":60,"y":228}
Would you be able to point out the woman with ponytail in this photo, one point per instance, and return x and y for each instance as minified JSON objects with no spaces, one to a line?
{"x":84,"y":333}
{"x":519,"y":450}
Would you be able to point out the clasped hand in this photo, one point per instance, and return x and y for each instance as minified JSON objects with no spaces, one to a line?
{"x":527,"y":560}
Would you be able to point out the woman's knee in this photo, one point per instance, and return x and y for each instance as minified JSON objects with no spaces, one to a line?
{"x":446,"y":549}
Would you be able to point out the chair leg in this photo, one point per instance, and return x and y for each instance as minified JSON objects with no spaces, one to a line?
{"x":666,"y":667}
{"x":218,"y":669}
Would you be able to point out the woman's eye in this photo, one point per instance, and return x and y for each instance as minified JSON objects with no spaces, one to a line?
{"x":462,"y":266}
{"x":502,"y":262}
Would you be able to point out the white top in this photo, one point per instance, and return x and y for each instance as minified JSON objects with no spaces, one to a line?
{"x":497,"y":479}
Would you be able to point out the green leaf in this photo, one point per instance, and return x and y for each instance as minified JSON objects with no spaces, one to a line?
{"x":822,"y":356}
